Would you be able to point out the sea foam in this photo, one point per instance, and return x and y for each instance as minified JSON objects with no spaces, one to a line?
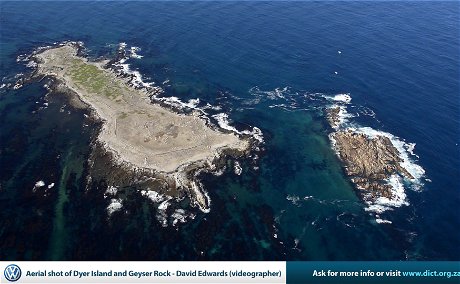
{"x":343,"y":98}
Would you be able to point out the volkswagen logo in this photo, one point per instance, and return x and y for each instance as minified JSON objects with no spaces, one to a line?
{"x":12,"y":273}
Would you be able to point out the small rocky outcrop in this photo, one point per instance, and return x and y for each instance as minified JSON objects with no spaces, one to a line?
{"x":333,"y":116}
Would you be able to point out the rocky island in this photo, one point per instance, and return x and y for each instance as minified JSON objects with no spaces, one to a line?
{"x":373,"y":163}
{"x":136,"y":134}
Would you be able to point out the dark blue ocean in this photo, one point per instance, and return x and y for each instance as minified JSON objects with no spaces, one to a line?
{"x":265,"y":64}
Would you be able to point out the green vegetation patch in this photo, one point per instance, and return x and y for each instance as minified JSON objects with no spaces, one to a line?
{"x":93,"y":79}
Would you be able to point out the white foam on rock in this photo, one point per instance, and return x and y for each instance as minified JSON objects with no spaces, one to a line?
{"x":38,"y":184}
{"x":162,"y":215}
{"x":343,"y":116}
{"x":164,"y":205}
{"x":111,"y":190}
{"x":237,"y":168}
{"x":224,"y":123}
{"x":180,"y":215}
{"x":397,"y":183}
{"x":31,"y":64}
{"x":138,"y":81}
{"x":278,"y":93}
{"x":163,"y":202}
{"x":134,"y":52}
{"x":294,"y":199}
{"x":154,"y":196}
{"x":178,"y":103}
{"x":342,"y":98}
{"x":114,"y":206}
{"x":398,"y":197}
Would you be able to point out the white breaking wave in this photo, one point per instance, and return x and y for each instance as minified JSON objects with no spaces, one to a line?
{"x":398,"y":197}
{"x":39,"y":183}
{"x":223,"y":122}
{"x":154,"y":196}
{"x":111,"y":191}
{"x":343,"y":98}
{"x":277,"y":93}
{"x":237,"y":168}
{"x":209,"y":106}
{"x":294,"y":100}
{"x":180,"y":215}
{"x":343,"y":116}
{"x":163,"y":203}
{"x":410,"y":149}
{"x":114,"y":206}
{"x":294,"y":199}
{"x":177,"y":103}
{"x":31,"y":64}
{"x":134,"y":52}
{"x":137,"y":79}
{"x":258,"y":95}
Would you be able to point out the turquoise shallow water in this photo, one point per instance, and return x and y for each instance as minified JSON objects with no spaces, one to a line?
{"x":398,"y":61}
